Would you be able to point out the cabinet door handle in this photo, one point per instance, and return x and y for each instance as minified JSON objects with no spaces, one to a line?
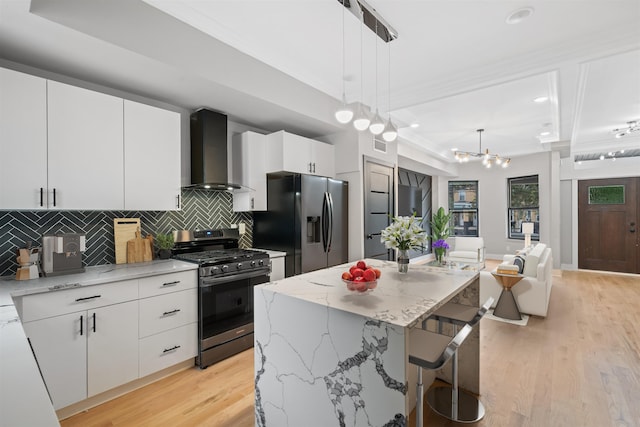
{"x":252,"y":203}
{"x":310,"y":167}
{"x":314,"y":168}
{"x":178,"y":201}
{"x":81,"y":325}
{"x":170,"y":283}
{"x":41,"y":197}
{"x":94,"y":322}
{"x":168,"y":313}
{"x":167,"y":350}
{"x":54,"y":197}
{"x":88,"y":298}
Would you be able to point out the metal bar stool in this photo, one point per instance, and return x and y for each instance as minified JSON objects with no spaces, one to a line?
{"x":429,"y":350}
{"x":452,"y":403}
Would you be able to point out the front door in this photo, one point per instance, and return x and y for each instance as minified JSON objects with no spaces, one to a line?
{"x":378,"y":208}
{"x":608,"y":217}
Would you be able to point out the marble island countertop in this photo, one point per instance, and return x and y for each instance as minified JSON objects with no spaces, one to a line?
{"x":398,"y":299}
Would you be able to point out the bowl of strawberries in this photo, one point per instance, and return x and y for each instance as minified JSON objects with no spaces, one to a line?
{"x":361,"y":278}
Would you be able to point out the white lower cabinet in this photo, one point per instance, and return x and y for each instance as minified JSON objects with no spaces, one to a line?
{"x":168,"y":348}
{"x":112,"y":347}
{"x":91,"y":339}
{"x":277,"y":268}
{"x":60,"y":346}
{"x":85,"y":353}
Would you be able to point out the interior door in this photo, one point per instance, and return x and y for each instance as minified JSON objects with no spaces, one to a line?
{"x":378,"y":208}
{"x":608,"y":217}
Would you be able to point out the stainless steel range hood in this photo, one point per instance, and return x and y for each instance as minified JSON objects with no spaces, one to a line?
{"x":209,"y":151}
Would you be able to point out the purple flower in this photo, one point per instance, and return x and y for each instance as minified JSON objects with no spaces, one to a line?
{"x":440,"y":244}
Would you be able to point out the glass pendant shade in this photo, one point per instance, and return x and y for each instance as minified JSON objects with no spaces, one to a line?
{"x":344,"y":114}
{"x":377,"y":124}
{"x":390,"y":132}
{"x":361,"y":120}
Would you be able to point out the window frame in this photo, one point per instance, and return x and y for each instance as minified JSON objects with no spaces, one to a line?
{"x":517,"y":235}
{"x":473,"y":211}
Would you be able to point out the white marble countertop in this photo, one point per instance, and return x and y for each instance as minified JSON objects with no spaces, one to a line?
{"x":399,"y":299}
{"x":23,"y":397}
{"x":272,"y":254}
{"x":92,"y":276}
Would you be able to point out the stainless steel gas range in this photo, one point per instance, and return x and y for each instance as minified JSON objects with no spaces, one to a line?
{"x":226,"y":276}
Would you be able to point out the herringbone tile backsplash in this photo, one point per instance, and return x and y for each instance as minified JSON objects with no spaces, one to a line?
{"x":200,"y":210}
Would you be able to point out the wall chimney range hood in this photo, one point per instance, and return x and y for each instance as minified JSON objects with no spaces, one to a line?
{"x":209,"y":152}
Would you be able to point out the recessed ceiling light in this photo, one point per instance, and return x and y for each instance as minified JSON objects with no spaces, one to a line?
{"x":415,"y":125}
{"x":545,"y":133}
{"x":454,"y":149}
{"x":519,"y":15}
{"x":541,"y":99}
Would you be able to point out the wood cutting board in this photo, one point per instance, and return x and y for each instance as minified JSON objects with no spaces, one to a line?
{"x":139,"y":249}
{"x":124,"y":229}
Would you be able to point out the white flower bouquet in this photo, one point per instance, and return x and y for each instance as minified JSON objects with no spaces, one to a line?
{"x":404,"y":233}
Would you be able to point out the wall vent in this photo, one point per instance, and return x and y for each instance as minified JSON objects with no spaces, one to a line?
{"x":379,"y":145}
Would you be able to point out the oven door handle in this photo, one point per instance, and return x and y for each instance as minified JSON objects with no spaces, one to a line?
{"x":212,"y":281}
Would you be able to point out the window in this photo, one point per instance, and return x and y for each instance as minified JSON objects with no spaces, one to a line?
{"x":463,"y":206}
{"x":523,"y":206}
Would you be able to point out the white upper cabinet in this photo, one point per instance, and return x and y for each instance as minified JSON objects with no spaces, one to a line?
{"x":85,"y":149}
{"x":23,"y":141}
{"x":69,"y":148}
{"x":151,"y":158}
{"x":250,"y":171}
{"x":294,"y":153}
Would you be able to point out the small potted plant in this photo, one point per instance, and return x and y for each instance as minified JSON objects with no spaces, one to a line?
{"x":164,"y":243}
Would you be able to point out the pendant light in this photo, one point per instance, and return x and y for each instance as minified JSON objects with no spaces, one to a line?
{"x":361,"y":120}
{"x":345,"y":113}
{"x":377,"y":124}
{"x":390,"y":132}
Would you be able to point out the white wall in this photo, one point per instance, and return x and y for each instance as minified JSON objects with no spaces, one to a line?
{"x":493,"y":198}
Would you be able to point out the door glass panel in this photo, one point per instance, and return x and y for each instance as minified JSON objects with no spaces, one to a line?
{"x":606,"y":195}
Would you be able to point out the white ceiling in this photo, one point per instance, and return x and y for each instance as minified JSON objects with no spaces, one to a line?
{"x":455,"y":67}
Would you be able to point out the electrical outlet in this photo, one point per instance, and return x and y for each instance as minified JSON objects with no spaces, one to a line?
{"x":241,"y":228}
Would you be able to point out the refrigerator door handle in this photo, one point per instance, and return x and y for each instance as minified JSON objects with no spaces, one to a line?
{"x":325,"y":216}
{"x":330,"y":231}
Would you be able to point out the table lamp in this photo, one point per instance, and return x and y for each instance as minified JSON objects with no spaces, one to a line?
{"x":527,"y":230}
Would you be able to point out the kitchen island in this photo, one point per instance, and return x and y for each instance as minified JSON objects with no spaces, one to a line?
{"x":327,"y":356}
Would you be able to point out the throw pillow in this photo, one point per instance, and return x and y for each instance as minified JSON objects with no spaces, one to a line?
{"x":519,"y":261}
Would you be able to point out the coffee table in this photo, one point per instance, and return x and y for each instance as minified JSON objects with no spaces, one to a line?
{"x":507,"y":307}
{"x":451,"y":265}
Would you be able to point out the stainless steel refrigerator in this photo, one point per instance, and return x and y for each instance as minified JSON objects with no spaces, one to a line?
{"x":306,"y":217}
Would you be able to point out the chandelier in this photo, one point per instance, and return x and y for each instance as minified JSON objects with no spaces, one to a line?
{"x":487,"y":159}
{"x":632,"y":126}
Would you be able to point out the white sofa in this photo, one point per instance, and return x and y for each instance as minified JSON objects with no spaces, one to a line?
{"x":532,"y":293}
{"x":467,"y":250}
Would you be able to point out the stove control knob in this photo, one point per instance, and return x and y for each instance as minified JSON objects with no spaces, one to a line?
{"x":261,"y":262}
{"x":214,"y":270}
{"x":253,"y":263}
{"x":239,"y":266}
{"x":224,"y":268}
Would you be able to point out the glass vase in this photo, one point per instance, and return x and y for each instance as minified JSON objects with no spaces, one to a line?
{"x":403,"y":261}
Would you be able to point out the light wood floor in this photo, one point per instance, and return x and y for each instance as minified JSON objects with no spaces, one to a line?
{"x":578,"y":367}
